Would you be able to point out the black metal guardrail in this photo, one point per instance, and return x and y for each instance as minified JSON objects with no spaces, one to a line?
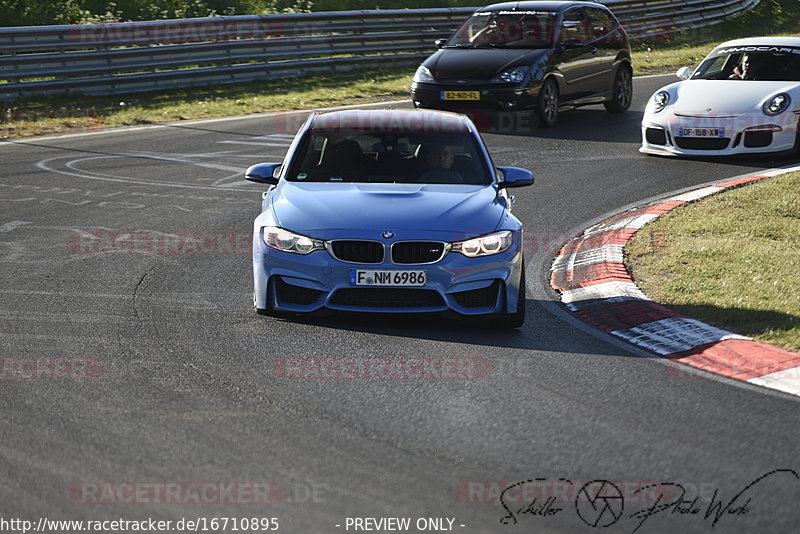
{"x":147,"y":56}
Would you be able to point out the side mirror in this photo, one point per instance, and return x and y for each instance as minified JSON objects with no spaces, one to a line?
{"x":263,"y":173}
{"x":439,"y":43}
{"x":684,"y":73}
{"x":515,"y":177}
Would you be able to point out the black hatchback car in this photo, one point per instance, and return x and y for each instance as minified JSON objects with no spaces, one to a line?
{"x":545,"y":56}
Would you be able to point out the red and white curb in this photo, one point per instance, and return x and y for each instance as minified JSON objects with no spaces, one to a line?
{"x":593,"y":282}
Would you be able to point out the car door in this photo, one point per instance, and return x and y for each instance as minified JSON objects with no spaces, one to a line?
{"x":576,"y":59}
{"x":605,"y":46}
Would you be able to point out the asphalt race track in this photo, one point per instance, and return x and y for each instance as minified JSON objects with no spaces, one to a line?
{"x":187,"y":384}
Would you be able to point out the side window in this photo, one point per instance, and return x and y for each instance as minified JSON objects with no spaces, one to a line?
{"x":600,"y":23}
{"x":573,"y":27}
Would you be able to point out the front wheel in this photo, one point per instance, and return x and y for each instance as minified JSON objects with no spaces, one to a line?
{"x":547,"y":104}
{"x":621,"y":91}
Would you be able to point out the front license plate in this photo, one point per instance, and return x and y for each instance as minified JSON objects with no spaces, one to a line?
{"x":461,"y":95}
{"x":364,"y":277}
{"x":701,"y":132}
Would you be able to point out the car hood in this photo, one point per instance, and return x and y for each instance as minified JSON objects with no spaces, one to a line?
{"x":317,"y":209}
{"x":719,"y":98}
{"x":479,"y":63}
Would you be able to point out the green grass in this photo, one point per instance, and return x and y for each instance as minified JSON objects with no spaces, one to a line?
{"x":731,"y":260}
{"x":76,"y":113}
{"x":662,"y":58}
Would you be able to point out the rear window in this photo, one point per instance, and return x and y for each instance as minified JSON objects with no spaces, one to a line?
{"x":389,"y":157}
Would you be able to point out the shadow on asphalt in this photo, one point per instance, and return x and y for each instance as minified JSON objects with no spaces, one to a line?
{"x":583,"y":124}
{"x":535,"y":334}
{"x":594,"y":124}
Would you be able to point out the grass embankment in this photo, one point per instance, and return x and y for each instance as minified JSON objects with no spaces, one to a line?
{"x":75,"y":113}
{"x":667,"y":58}
{"x":731,"y":260}
{"x":71,"y":113}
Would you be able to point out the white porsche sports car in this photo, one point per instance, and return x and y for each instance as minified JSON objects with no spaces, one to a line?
{"x":744,"y":98}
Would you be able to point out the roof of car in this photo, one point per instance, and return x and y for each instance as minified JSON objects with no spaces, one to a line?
{"x":763,"y":41}
{"x":545,"y":5}
{"x":391,"y":120}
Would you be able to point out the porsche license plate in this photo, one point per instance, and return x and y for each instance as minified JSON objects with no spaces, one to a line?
{"x":461,"y":95}
{"x":368,"y":277}
{"x":701,"y":132}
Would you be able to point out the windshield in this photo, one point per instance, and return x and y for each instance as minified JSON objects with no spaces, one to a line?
{"x":512,"y":29}
{"x":356,"y":156}
{"x":747,"y":65}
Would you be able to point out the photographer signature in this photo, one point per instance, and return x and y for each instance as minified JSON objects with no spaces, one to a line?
{"x":601,"y":503}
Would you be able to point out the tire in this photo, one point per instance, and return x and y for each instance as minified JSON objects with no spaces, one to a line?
{"x":547,"y":104}
{"x":621,"y":91}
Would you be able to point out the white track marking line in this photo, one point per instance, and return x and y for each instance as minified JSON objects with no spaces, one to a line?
{"x":634,"y":222}
{"x":603,"y":291}
{"x":609,"y":253}
{"x":787,"y":380}
{"x":13,"y":225}
{"x":700,"y":193}
{"x":45,"y":165}
{"x":254,"y":143}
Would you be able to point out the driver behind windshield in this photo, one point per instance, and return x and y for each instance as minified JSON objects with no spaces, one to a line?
{"x":439,"y":160}
{"x":744,"y":70}
{"x":390,"y":158}
{"x":523,"y":30}
{"x":440,"y":157}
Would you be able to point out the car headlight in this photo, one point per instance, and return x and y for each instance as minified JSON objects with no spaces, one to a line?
{"x":514,"y":75}
{"x":485,"y":245}
{"x":287,"y":241}
{"x":660,"y":101}
{"x":777,"y":104}
{"x":423,"y":75}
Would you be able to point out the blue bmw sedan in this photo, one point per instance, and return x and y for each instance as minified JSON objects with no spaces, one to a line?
{"x":389,"y":212}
